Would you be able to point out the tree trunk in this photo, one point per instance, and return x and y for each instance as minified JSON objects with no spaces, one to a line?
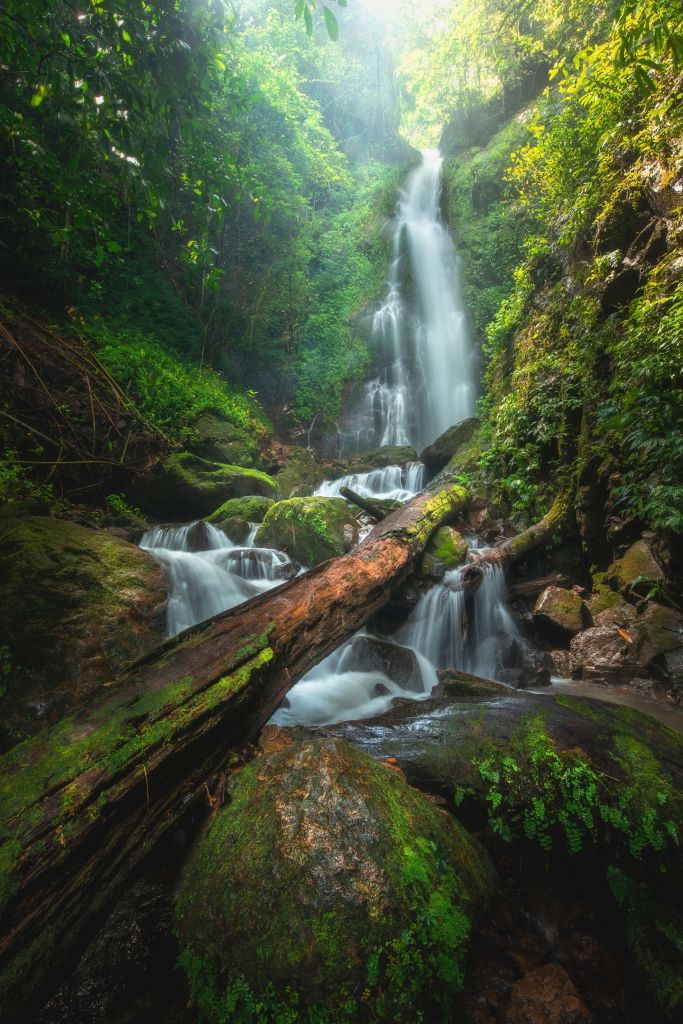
{"x":84,"y":802}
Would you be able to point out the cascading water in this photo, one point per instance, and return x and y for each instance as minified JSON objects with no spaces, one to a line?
{"x":420,"y":335}
{"x":452,"y":635}
{"x":390,"y":482}
{"x":207,"y":573}
{"x":446,"y":629}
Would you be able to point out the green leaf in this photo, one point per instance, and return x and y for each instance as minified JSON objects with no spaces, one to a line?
{"x":308,"y":20}
{"x":331,"y":24}
{"x":39,"y":95}
{"x":126,"y":36}
{"x":299,"y":9}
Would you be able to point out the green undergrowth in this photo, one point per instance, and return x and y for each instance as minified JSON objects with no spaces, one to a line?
{"x":171,"y":391}
{"x":535,"y":792}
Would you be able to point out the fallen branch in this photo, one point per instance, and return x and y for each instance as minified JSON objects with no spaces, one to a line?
{"x":83,"y":803}
{"x":367,"y":504}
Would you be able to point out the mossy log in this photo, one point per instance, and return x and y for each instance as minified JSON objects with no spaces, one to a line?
{"x":84,"y":802}
{"x":556,"y":517}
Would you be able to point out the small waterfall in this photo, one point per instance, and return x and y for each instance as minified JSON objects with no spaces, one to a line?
{"x":390,"y":482}
{"x":419,"y":334}
{"x":207,"y":573}
{"x":454,"y":630}
{"x":448,"y":628}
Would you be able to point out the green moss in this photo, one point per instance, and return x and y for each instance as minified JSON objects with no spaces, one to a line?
{"x":376,"y":930}
{"x":252,"y":509}
{"x":449,"y":546}
{"x":311,"y":530}
{"x":115,"y":738}
{"x":186,"y":484}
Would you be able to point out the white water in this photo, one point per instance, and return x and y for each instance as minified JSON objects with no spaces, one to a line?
{"x":207,"y":573}
{"x":420,"y":335}
{"x":437,"y":632}
{"x":390,"y":482}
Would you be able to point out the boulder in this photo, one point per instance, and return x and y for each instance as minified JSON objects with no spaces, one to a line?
{"x":438,"y":454}
{"x":251,"y":508}
{"x":446,"y":550}
{"x":310,"y":530}
{"x":370,"y":654}
{"x":301,"y":473}
{"x":546,"y":995}
{"x":185,"y":485}
{"x":559,"y":611}
{"x":609,"y":655}
{"x":78,"y":605}
{"x":637,"y":570}
{"x":329,"y":889}
{"x":380,"y":458}
{"x":562,"y":664}
{"x":222,"y":441}
{"x":236,"y":529}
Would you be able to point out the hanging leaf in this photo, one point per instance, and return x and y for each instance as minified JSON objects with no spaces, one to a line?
{"x":39,"y":95}
{"x":331,"y":24}
{"x":308,"y":20}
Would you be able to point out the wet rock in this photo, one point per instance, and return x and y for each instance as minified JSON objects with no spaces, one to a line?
{"x":185,"y":485}
{"x":664,"y":627}
{"x":560,"y":611}
{"x":456,"y":685}
{"x":251,"y":508}
{"x":300,"y":475}
{"x":78,"y":605}
{"x":562,"y":664}
{"x":370,"y":654}
{"x":636,"y":570}
{"x":602,"y":655}
{"x":310,"y":530}
{"x":446,"y":550}
{"x":314,"y":880}
{"x":236,"y":529}
{"x":380,"y":458}
{"x":436,"y":455}
{"x":546,"y":995}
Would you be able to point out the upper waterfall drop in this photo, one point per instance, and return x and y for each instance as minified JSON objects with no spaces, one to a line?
{"x":420,"y":334}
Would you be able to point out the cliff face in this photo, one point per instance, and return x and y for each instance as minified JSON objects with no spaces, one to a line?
{"x":572,"y":250}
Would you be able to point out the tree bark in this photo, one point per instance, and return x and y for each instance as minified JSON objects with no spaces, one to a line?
{"x":83,"y":803}
{"x":516,"y":548}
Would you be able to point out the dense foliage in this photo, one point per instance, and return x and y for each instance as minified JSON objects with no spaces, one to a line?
{"x":182,"y":171}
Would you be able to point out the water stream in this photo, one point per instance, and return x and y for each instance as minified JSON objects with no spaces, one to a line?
{"x":207,"y":573}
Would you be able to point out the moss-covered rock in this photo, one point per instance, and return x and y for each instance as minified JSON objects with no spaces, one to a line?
{"x":559,"y":610}
{"x":252,"y":509}
{"x":185,"y":485}
{"x":438,"y":454}
{"x":637,"y":569}
{"x":78,"y":604}
{"x":218,"y":439}
{"x":310,"y":530}
{"x":446,"y":550}
{"x":301,"y":473}
{"x":328,"y":885}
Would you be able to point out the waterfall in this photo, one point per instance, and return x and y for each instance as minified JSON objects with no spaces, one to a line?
{"x":207,"y":573}
{"x":448,"y":628}
{"x":419,"y":334}
{"x":470,"y":633}
{"x":390,"y":482}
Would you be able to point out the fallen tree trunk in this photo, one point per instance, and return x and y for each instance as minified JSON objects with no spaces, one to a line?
{"x":367,"y":504}
{"x":84,"y":802}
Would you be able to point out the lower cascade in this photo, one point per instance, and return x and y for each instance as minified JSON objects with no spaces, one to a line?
{"x":448,"y":628}
{"x":207,"y":573}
